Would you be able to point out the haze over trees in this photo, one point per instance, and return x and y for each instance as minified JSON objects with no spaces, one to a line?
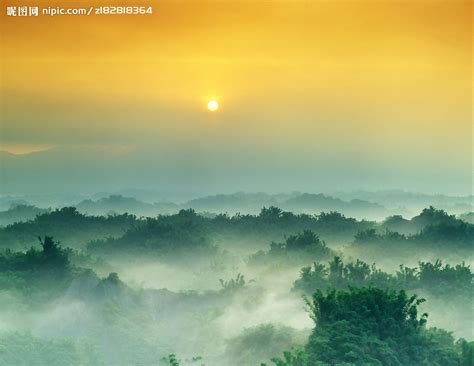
{"x":274,"y":288}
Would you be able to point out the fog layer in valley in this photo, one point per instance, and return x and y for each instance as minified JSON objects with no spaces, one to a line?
{"x":219,"y":289}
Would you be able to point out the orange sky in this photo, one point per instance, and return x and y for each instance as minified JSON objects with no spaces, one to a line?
{"x":391,"y":78}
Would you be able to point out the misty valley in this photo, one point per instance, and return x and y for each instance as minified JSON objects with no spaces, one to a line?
{"x":237,"y":280}
{"x":236,"y":183}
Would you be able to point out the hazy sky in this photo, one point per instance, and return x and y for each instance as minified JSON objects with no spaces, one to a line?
{"x":314,"y":95}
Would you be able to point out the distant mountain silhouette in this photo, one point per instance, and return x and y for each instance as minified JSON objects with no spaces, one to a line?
{"x":234,"y":203}
{"x":411,"y":202}
{"x":376,"y":207}
{"x":297,"y":202}
{"x":322,"y":203}
{"x":119,"y":204}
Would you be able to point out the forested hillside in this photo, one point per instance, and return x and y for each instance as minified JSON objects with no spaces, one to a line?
{"x":192,"y":289}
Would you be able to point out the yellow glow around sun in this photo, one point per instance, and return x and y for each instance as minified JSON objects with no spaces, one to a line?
{"x":213,"y":105}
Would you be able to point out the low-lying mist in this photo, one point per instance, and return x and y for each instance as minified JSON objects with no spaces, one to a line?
{"x":218,"y":290}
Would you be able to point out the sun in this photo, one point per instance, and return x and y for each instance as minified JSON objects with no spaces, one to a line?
{"x":212,"y":105}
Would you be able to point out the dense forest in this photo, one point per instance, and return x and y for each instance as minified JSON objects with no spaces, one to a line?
{"x":273,"y":288}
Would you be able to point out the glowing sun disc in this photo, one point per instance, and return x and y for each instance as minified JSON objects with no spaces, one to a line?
{"x":213,"y":105}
